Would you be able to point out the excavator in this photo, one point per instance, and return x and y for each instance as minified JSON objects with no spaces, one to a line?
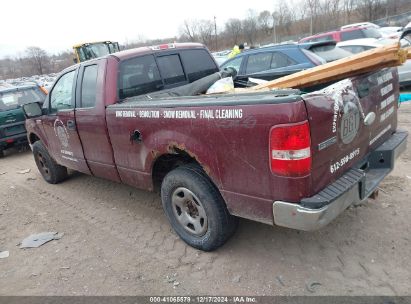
{"x":90,"y":50}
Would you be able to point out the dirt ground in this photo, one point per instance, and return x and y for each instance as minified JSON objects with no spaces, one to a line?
{"x":117,"y":241}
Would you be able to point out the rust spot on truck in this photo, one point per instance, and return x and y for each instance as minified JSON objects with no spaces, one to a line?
{"x":176,"y":148}
{"x":154,"y":153}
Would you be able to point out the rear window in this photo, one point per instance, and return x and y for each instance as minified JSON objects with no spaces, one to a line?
{"x":330,"y":52}
{"x":138,"y":76}
{"x":171,"y":69}
{"x":198,"y":64}
{"x":15,"y":99}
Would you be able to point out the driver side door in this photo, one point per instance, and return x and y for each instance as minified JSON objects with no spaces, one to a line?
{"x":60,"y":124}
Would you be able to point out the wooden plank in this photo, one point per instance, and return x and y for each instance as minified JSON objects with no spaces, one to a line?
{"x":385,"y":56}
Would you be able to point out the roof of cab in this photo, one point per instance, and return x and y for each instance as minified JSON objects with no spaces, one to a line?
{"x":130,"y":53}
{"x":122,"y":55}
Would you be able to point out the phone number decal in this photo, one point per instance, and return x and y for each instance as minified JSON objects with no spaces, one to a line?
{"x":344,"y":160}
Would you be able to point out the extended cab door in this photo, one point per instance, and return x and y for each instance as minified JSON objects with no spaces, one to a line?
{"x":60,"y":126}
{"x":91,"y":120}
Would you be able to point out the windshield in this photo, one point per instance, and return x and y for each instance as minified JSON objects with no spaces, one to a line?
{"x":13,"y":100}
{"x":330,"y":52}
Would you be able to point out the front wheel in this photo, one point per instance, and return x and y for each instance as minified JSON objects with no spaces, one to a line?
{"x":52,"y":172}
{"x":195,"y":208}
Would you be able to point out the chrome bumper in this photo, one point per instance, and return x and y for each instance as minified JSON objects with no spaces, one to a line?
{"x":354,"y":186}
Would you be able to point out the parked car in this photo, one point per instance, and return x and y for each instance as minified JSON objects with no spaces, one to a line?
{"x":360,"y":24}
{"x":280,"y":157}
{"x":12,"y":97}
{"x":276,"y":61}
{"x":221,"y":56}
{"x":391,"y":32}
{"x":344,"y":34}
{"x":360,"y":45}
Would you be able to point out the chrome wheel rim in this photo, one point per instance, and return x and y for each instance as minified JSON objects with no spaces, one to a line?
{"x":189,"y":211}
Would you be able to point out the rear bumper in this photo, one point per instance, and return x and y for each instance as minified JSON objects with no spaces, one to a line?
{"x":354,"y":186}
{"x":18,"y":139}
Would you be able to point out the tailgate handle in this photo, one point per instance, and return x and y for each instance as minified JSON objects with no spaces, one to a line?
{"x":71,"y":125}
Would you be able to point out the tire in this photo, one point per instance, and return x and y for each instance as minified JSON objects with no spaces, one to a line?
{"x":195,"y":208}
{"x":1,"y":153}
{"x":49,"y":169}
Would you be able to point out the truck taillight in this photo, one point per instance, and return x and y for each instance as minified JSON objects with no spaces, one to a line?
{"x":290,"y":153}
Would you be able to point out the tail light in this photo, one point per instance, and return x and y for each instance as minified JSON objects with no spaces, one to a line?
{"x":290,"y":153}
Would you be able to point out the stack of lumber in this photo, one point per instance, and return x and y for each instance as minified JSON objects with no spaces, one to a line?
{"x":368,"y":61}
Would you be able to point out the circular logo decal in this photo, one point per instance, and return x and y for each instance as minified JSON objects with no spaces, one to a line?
{"x":350,"y":121}
{"x":61,"y":133}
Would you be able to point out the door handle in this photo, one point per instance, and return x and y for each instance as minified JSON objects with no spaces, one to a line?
{"x":71,"y":125}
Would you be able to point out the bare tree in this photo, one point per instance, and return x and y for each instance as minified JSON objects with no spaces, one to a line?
{"x":205,"y":31}
{"x":189,"y":30}
{"x":330,"y":11}
{"x":233,"y":29}
{"x":348,"y":9}
{"x":285,"y":17}
{"x":250,"y":27}
{"x":370,"y":9}
{"x":265,"y":22}
{"x":313,"y":8}
{"x":38,"y":58}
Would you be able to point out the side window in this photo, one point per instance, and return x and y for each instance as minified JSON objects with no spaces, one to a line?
{"x":198,"y":64}
{"x":138,"y":76}
{"x":281,"y":60}
{"x":258,"y":62}
{"x":171,"y":69}
{"x":235,"y":63}
{"x":61,"y":97}
{"x":88,"y":86}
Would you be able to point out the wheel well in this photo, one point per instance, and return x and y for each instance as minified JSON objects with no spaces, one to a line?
{"x":167,"y":162}
{"x":33,"y":138}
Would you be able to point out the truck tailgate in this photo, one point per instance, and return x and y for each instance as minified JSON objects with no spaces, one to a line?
{"x":348,"y":120}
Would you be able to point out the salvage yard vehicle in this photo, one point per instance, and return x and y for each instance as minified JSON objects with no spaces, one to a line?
{"x":349,"y":33}
{"x":279,"y":157}
{"x":12,"y":120}
{"x":91,"y":50}
{"x":276,"y":61}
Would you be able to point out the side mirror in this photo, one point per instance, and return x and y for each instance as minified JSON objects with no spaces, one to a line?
{"x":75,"y":60}
{"x":32,"y":110}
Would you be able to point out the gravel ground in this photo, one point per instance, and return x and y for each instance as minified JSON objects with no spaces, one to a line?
{"x":117,"y":241}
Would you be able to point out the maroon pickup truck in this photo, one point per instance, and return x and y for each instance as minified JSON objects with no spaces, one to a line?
{"x":282,"y":157}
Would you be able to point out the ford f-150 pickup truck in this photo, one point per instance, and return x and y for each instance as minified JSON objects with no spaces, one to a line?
{"x":281,"y":157}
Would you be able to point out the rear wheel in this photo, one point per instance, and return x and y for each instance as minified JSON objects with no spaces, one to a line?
{"x":49,"y":169}
{"x":195,"y":208}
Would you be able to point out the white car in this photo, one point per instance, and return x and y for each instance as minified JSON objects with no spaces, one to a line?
{"x":360,"y":45}
{"x":390,"y":32}
{"x":361,"y":24}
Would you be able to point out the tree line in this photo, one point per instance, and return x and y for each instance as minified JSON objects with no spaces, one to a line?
{"x":289,"y":20}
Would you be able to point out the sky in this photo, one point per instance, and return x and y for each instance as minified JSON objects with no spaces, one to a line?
{"x":58,"y":25}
